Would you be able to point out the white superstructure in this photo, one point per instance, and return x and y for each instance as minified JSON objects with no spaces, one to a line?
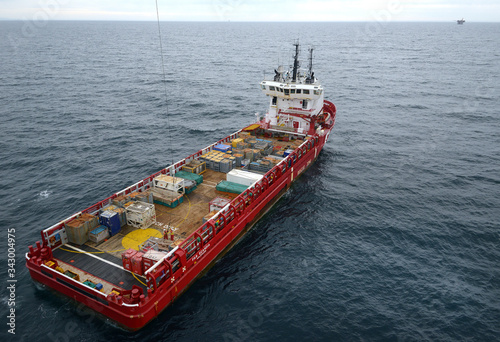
{"x":296,"y":99}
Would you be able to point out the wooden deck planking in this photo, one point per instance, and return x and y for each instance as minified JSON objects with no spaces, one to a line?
{"x":188,"y":216}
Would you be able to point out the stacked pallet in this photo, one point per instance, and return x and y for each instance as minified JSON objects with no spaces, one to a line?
{"x":195,"y":166}
{"x":260,"y":165}
{"x":145,"y":196}
{"x":121,"y":200}
{"x":219,"y":161}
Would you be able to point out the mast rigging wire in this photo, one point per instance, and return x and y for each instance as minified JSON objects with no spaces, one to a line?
{"x":169,"y":131}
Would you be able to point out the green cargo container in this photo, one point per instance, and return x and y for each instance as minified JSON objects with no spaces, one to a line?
{"x":170,"y":204}
{"x":231,"y":187}
{"x":191,"y":176}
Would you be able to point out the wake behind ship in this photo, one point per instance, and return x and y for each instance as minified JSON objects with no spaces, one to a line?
{"x":132,"y":254}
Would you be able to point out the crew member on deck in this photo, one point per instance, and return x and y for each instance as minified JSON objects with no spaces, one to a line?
{"x":168,"y":234}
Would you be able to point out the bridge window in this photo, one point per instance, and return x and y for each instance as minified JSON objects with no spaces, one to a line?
{"x":263,"y":87}
{"x":287,"y":92}
{"x":271,"y":88}
{"x":306,"y":91}
{"x":299,"y":91}
{"x":292,"y":91}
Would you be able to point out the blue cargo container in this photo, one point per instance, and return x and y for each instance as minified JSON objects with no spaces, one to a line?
{"x":111,"y":220}
{"x":222,"y":148}
{"x":99,"y":234}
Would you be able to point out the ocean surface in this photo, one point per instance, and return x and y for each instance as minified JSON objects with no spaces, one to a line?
{"x":392,"y":235}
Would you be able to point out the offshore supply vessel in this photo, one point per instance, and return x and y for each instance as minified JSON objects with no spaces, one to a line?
{"x":132,"y":254}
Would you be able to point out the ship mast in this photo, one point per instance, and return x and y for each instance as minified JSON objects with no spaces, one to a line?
{"x":310,"y":60}
{"x":296,"y":98}
{"x":295,"y":62}
{"x":310,"y":74}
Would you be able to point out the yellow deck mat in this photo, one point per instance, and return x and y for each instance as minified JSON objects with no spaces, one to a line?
{"x":139,"y":236}
{"x":252,"y":127}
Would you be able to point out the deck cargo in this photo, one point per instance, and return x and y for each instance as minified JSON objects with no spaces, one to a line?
{"x":140,"y":215}
{"x":111,"y":220}
{"x":99,"y":234}
{"x":77,"y":231}
{"x":169,"y":183}
{"x":191,"y":176}
{"x":230,"y":187}
{"x":195,"y":166}
{"x":242,"y":177}
{"x":167,"y":197}
{"x":127,"y":258}
{"x":137,"y":263}
{"x":218,"y":203}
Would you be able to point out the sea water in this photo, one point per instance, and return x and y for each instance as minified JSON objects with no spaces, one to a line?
{"x":393,"y":234}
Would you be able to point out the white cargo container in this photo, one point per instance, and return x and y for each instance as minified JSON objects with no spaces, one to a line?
{"x":246,"y":178}
{"x":175,"y":184}
{"x":140,"y":214}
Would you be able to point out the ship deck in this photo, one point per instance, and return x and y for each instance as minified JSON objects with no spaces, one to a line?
{"x":102,"y":263}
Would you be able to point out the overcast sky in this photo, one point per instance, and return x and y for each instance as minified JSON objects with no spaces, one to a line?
{"x":253,"y":10}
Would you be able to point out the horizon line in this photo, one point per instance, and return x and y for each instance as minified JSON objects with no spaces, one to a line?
{"x":258,"y":21}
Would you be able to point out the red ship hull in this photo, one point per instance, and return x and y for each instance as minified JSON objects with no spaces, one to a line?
{"x":196,"y":254}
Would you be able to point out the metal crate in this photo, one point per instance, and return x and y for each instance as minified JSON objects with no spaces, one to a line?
{"x":141,"y":215}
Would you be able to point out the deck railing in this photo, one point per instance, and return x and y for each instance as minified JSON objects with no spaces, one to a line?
{"x":146,"y":183}
{"x":239,"y":205}
{"x":220,"y":223}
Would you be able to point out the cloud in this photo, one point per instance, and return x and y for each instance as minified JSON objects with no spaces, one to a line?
{"x":248,"y":10}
